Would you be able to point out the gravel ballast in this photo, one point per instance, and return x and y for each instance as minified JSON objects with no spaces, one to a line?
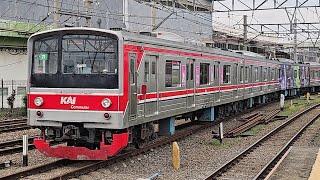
{"x":200,"y":156}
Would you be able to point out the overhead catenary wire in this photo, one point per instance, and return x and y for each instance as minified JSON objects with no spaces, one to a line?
{"x":138,"y":23}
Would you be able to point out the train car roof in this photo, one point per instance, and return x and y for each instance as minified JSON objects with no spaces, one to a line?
{"x":138,"y":38}
{"x":314,"y":64}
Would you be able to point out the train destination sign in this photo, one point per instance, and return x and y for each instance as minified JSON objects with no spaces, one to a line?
{"x":43,"y":56}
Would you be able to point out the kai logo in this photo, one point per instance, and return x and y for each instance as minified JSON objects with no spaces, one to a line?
{"x":68,"y":100}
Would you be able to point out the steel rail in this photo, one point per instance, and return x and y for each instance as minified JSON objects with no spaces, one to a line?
{"x":13,"y":146}
{"x":91,"y":166}
{"x":9,"y":122}
{"x":37,"y":169}
{"x":266,"y":169}
{"x":15,"y":127}
{"x":234,"y":160}
{"x":155,"y":144}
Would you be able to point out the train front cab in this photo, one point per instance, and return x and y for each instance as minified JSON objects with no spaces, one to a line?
{"x":76,"y":92}
{"x":314,"y":76}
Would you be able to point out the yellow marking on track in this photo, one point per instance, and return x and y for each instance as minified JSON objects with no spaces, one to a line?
{"x":315,"y":173}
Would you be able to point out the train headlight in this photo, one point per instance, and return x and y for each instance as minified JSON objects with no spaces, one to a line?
{"x":38,"y":101}
{"x":106,"y":103}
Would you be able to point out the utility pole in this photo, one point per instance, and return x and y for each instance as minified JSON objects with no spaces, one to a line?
{"x":16,"y":9}
{"x":125,"y":11}
{"x":295,"y":51}
{"x":153,"y":14}
{"x":245,"y":32}
{"x":57,"y":11}
{"x":88,"y":7}
{"x":212,"y":17}
{"x":173,"y":5}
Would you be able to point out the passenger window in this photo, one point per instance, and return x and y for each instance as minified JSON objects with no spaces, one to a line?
{"x":226,"y":74}
{"x":172,"y":74}
{"x":279,"y":73}
{"x":188,"y":71}
{"x":204,"y":73}
{"x":264,"y":74}
{"x":153,"y":68}
{"x":146,"y":71}
{"x":246,"y":77}
{"x":241,"y":74}
{"x":216,"y":72}
{"x":133,"y":58}
{"x":235,"y":72}
{"x":256,"y":74}
{"x":191,"y":72}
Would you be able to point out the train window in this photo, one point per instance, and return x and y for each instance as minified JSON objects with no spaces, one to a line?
{"x":45,"y":56}
{"x":172,"y":74}
{"x":216,"y":71}
{"x":246,"y":74}
{"x":226,"y":74}
{"x":89,"y":54}
{"x":265,"y":74}
{"x":255,"y":74}
{"x":133,"y":58}
{"x":146,"y":71}
{"x":153,"y":67}
{"x":188,"y":71}
{"x":241,"y":74}
{"x":295,"y":74}
{"x":204,"y":73}
{"x":191,"y":71}
{"x":235,"y":72}
{"x":269,"y":74}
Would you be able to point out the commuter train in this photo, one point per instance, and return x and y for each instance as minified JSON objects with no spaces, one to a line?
{"x":98,"y":91}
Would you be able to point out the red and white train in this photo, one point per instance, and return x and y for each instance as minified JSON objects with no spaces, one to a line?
{"x":97,"y":91}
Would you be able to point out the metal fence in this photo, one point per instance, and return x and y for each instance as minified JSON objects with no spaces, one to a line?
{"x":6,"y":89}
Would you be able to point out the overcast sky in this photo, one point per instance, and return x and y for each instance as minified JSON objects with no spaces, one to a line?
{"x":265,"y":16}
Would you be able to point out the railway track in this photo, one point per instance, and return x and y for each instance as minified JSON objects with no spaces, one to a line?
{"x":256,"y":161}
{"x":14,"y":146}
{"x":77,"y":168}
{"x":82,"y":167}
{"x":13,"y":125}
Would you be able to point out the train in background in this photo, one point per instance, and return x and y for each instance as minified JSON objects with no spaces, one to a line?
{"x":98,"y":91}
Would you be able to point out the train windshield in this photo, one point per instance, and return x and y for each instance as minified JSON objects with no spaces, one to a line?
{"x":87,"y":54}
{"x":46,"y":56}
{"x":75,"y":61}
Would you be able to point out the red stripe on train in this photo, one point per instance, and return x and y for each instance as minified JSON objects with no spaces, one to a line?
{"x":76,"y":102}
{"x":153,"y":95}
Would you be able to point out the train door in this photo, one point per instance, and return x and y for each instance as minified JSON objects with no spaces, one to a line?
{"x":150,"y":80}
{"x":133,"y":85}
{"x":190,"y":83}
